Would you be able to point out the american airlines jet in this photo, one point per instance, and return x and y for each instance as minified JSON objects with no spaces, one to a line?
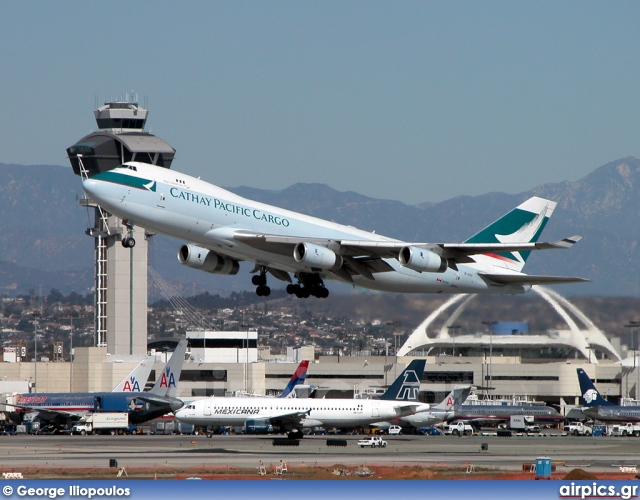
{"x":292,"y":415}
{"x":223,"y":229}
{"x":141,"y":406}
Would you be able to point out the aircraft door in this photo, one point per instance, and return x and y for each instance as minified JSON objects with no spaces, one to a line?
{"x":160,"y":201}
{"x":375,"y":409}
{"x":207,"y":408}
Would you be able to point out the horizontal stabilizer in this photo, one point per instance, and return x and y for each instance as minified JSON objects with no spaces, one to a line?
{"x":525,"y":279}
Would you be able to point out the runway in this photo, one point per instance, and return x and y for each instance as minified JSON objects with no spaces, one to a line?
{"x":597,"y":454}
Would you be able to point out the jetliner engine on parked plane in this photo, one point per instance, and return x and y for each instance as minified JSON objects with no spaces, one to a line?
{"x":223,"y":229}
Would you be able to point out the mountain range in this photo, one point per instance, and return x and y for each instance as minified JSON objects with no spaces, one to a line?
{"x":43,"y":243}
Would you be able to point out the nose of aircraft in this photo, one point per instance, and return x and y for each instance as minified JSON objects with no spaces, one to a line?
{"x":89,"y":186}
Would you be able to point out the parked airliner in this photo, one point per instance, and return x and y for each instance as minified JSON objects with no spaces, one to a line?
{"x":292,"y":415}
{"x":223,"y":229}
{"x":141,"y":406}
{"x":598,"y":408}
{"x":434,"y":414}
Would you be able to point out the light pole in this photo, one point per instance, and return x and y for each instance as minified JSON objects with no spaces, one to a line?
{"x":489,"y":325}
{"x":635,"y":324}
{"x":453,"y":329}
{"x":35,"y":315}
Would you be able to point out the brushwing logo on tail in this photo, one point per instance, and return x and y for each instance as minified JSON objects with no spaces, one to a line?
{"x":590,"y":396}
{"x":527,"y":232}
{"x":410,"y":386}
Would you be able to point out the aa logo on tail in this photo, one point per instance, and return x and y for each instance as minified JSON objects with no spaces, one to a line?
{"x":131,"y":385}
{"x":167,"y":379}
{"x":410,"y":387}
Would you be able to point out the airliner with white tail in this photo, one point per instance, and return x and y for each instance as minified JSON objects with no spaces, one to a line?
{"x":222,"y":229}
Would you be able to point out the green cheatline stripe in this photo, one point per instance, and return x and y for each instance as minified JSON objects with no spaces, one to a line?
{"x":126,"y":180}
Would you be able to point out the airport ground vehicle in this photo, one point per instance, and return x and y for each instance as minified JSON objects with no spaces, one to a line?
{"x":102,"y":423}
{"x":162,"y":427}
{"x":429,"y":431}
{"x":394,"y":429}
{"x":459,"y":429}
{"x":578,"y":429}
{"x":626,"y":429}
{"x":373,"y":442}
{"x":524,"y":423}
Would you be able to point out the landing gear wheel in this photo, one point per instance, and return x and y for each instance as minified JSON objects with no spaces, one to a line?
{"x":128,"y":242}
{"x":259,"y":280}
{"x":263,"y":291}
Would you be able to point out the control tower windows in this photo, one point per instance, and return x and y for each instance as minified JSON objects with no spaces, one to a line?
{"x":118,"y":123}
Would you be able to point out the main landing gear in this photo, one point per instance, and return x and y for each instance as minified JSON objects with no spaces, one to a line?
{"x":260,"y":280}
{"x":310,"y":284}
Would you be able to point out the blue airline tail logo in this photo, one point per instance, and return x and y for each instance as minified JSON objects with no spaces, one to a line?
{"x":410,"y":386}
{"x":407,"y":386}
{"x":590,"y":395}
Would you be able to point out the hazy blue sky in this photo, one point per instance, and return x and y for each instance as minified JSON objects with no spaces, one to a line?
{"x":414,"y":101}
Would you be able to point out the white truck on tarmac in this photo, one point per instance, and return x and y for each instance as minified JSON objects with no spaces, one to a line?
{"x":578,"y":429}
{"x":523,"y":423}
{"x":373,"y":442}
{"x":626,"y":429}
{"x":459,"y":429}
{"x":101,"y":423}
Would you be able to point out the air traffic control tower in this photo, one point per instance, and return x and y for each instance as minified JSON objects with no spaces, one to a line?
{"x":120,"y":271}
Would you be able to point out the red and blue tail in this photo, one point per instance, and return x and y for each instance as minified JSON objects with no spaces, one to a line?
{"x":298,"y":378}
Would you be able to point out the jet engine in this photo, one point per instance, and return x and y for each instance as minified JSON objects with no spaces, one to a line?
{"x":316,"y":256}
{"x":422,"y":260}
{"x":206,"y":260}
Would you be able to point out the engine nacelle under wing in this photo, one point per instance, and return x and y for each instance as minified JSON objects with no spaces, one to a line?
{"x":206,"y":260}
{"x":316,"y":256}
{"x":422,"y":260}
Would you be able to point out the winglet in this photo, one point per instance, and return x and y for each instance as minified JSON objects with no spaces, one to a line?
{"x":566,"y":242}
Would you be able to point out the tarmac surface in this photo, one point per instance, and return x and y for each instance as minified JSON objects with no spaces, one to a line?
{"x":603,"y":454}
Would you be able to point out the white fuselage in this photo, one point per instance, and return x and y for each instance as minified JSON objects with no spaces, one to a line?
{"x":184,"y":207}
{"x":314,"y":412}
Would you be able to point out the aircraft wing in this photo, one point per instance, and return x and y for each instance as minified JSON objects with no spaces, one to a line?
{"x":289,"y":419}
{"x":525,"y":279}
{"x":364,"y":257}
{"x":391,"y":248}
{"x":408,"y":407}
{"x":156,"y":400}
{"x":48,"y":414}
